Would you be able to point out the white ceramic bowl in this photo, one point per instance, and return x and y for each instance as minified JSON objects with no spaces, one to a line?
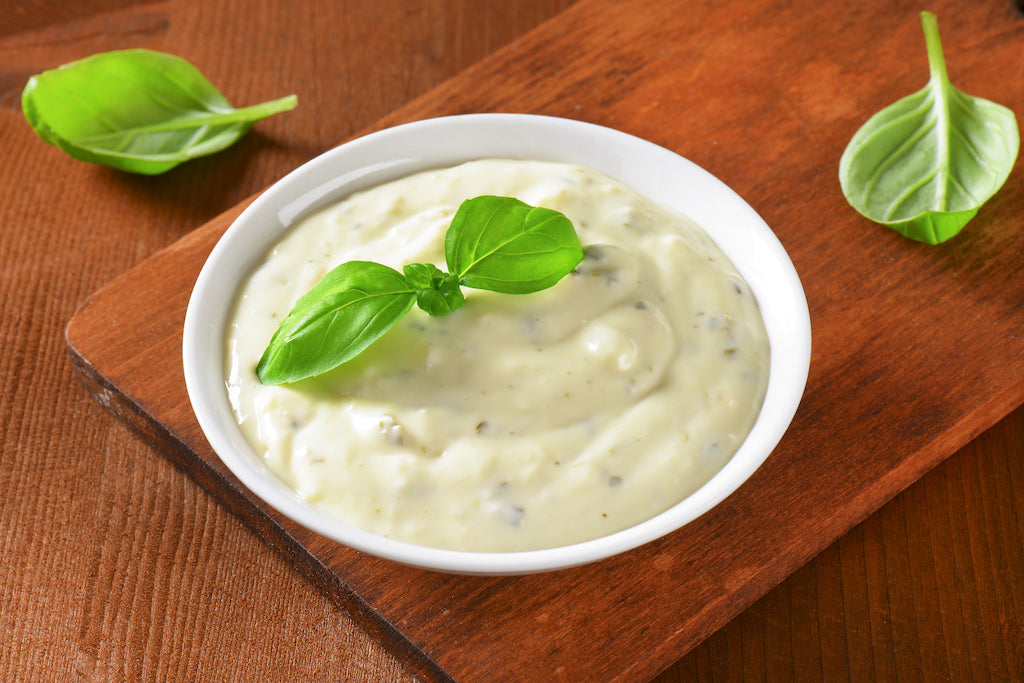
{"x":660,"y":174}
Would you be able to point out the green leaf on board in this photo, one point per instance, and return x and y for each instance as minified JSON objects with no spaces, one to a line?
{"x":925,"y":165}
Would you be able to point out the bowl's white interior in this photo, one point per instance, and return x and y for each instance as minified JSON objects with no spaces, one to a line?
{"x":660,"y":174}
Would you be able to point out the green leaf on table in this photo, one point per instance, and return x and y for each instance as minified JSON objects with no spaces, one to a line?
{"x":349,"y":309}
{"x":925,"y":165}
{"x":136,"y":110}
{"x":505,"y":245}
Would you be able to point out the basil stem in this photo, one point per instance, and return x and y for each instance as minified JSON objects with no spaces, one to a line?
{"x":925,"y":165}
{"x":437,"y":292}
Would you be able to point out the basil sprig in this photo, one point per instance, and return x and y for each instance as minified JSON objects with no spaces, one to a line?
{"x":925,"y":165}
{"x":495,"y":243}
{"x":140,"y":111}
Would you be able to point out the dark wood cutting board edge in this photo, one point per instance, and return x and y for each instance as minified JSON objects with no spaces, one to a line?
{"x":208,"y":472}
{"x":880,"y":410}
{"x":254,"y":515}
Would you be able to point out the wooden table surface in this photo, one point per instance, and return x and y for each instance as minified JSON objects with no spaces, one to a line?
{"x":116,"y":566}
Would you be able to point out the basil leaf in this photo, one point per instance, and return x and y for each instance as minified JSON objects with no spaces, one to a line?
{"x":349,"y":309}
{"x":505,"y":245}
{"x":495,"y":243}
{"x":437,"y":292}
{"x":925,"y":165}
{"x":136,"y":110}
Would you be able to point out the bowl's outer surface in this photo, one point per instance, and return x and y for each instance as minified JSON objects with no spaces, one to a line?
{"x":654,"y":171}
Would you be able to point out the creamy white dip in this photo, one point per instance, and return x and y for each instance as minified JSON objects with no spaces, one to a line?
{"x":519,"y":421}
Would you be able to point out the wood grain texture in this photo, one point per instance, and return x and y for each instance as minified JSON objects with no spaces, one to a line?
{"x":114,"y":566}
{"x":928,"y":588}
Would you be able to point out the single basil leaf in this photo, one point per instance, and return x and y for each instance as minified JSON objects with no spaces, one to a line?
{"x":505,"y":245}
{"x":437,"y":292}
{"x":349,"y":309}
{"x":925,"y":165}
{"x":136,"y":110}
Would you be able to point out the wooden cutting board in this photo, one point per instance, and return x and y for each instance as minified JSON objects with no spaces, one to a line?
{"x":917,"y":349}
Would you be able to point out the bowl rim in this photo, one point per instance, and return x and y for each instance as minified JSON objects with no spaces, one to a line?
{"x":655,"y":171}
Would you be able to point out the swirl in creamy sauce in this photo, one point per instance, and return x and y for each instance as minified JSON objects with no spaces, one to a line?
{"x":517,"y":422}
